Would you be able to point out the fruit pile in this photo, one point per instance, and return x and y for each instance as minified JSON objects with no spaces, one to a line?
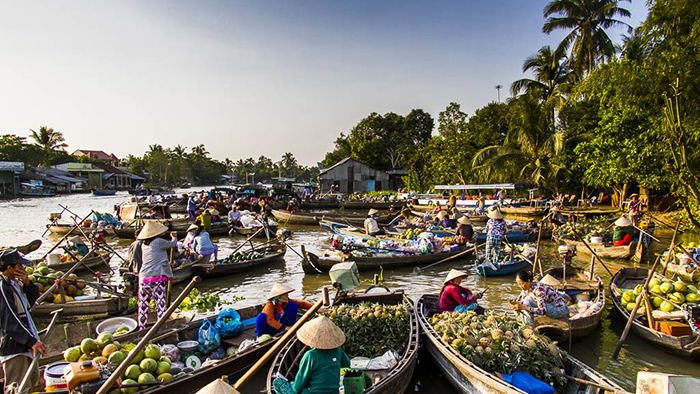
{"x":501,"y":344}
{"x":372,"y":329}
{"x":410,"y":233}
{"x":586,"y":229}
{"x":677,"y":292}
{"x":44,"y":277}
{"x":201,"y":302}
{"x":240,"y":257}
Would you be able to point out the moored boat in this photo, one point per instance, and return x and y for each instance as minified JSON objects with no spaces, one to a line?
{"x":222,"y":267}
{"x":83,"y":309}
{"x":687,"y":346}
{"x":602,"y":250}
{"x":248,"y":231}
{"x":129,"y":230}
{"x":502,"y":268}
{"x":312,"y":218}
{"x":91,"y":260}
{"x":103,"y":192}
{"x":369,"y":205}
{"x":468,"y":378}
{"x":64,"y":228}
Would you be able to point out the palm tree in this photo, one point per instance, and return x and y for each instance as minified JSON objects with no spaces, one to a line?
{"x":289,"y":161}
{"x":552,"y":75}
{"x":48,"y":139}
{"x":529,"y":149}
{"x":200,"y":151}
{"x":587,"y":20}
{"x":636,"y":47}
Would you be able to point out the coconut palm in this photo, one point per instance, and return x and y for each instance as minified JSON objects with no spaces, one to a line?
{"x":552,"y":75}
{"x":587,"y":20}
{"x":48,"y":139}
{"x":529,"y":149}
{"x":636,"y":47}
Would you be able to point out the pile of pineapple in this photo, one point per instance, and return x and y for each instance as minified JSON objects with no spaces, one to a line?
{"x":502,"y":344}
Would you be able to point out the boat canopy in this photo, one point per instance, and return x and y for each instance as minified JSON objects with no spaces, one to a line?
{"x":508,"y":186}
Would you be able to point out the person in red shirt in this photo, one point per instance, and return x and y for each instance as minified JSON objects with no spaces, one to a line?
{"x":455,"y":298}
{"x":280,"y":311}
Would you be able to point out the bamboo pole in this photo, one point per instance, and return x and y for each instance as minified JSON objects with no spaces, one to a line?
{"x":23,"y":387}
{"x":64,"y":237}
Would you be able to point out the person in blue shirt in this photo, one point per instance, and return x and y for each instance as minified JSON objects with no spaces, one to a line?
{"x":191,"y":206}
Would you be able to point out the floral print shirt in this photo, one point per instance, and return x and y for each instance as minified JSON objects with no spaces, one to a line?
{"x":544,"y":295}
{"x":496,"y":227}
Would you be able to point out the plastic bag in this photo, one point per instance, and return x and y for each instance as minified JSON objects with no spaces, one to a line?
{"x":208,"y":338}
{"x":528,"y":383}
{"x":229,"y":324}
{"x":385,"y":361}
{"x":248,"y":343}
{"x":171,"y":351}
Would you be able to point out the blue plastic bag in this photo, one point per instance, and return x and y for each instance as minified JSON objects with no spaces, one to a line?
{"x":208,"y":338}
{"x":229,"y":329}
{"x":528,"y":383}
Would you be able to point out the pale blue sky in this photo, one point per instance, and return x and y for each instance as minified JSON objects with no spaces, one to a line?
{"x":251,"y":78}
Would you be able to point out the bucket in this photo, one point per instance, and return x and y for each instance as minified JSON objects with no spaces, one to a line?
{"x":596,"y":240}
{"x":54,"y":258}
{"x":53,"y":376}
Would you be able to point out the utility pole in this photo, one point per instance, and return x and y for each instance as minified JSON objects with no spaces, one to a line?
{"x":498,"y":88}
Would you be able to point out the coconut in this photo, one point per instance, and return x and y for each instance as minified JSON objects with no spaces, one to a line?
{"x":88,"y":345}
{"x":133,"y":372}
{"x":72,"y":354}
{"x":148,"y":365}
{"x":152,"y":351}
{"x":129,"y":390}
{"x":116,"y":357}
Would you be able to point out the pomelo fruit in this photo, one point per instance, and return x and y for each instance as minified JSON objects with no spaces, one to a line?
{"x":104,"y":339}
{"x":139,"y":357}
{"x":72,"y":354}
{"x":162,"y":368}
{"x":666,"y":307}
{"x":88,"y":345}
{"x":166,"y":377}
{"x":145,"y":378}
{"x":165,"y":359}
{"x":152,"y":351}
{"x":29,"y":270}
{"x":116,"y":357}
{"x":133,"y":372}
{"x":129,"y":390}
{"x":148,"y":365}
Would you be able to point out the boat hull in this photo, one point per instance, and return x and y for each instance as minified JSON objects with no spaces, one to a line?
{"x":217,"y":270}
{"x":612,"y":252}
{"x":502,"y":269}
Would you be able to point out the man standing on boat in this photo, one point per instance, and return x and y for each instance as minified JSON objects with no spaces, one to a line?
{"x":19,"y":338}
{"x":635,"y":208}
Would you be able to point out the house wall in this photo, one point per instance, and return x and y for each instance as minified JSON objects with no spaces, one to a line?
{"x":354,"y":177}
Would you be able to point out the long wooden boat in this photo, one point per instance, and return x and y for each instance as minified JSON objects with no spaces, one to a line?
{"x":524,"y":212}
{"x":476,"y":219}
{"x":248,"y":231}
{"x":468,"y":378}
{"x":370,"y":205}
{"x":347,"y":230}
{"x":229,"y":366}
{"x":312,"y":218}
{"x":219,"y":268}
{"x":576,"y":284}
{"x":686,"y":273}
{"x":627,"y":279}
{"x":82,"y":310}
{"x":91,"y":260}
{"x":391,"y":381}
{"x":602,"y":250}
{"x":313,"y":264}
{"x":506,"y":268}
{"x":129,"y":231}
{"x":64,"y":228}
{"x":97,"y":192}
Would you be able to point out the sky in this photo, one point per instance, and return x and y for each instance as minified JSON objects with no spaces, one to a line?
{"x":252,"y":78}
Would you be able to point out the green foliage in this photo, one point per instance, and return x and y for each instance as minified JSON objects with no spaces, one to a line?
{"x":15,"y":148}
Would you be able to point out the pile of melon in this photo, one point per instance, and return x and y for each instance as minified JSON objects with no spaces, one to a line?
{"x":677,"y":292}
{"x":44,"y":276}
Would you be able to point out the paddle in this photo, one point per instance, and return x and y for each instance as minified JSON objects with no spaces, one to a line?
{"x":462,"y":253}
{"x":107,"y":385}
{"x":591,"y":250}
{"x":25,"y":381}
{"x":28,"y":248}
{"x":247,"y":239}
{"x":633,"y":313}
{"x":53,"y":222}
{"x":273,"y":350}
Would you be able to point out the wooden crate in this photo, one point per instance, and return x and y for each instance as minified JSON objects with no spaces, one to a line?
{"x":677,"y":329}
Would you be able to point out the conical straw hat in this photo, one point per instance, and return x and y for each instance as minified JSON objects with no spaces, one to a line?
{"x":372,"y":211}
{"x":215,"y":212}
{"x":623,"y":222}
{"x":218,"y":386}
{"x":76,"y":240}
{"x":321,"y":333}
{"x":278,"y":289}
{"x":454,"y":274}
{"x":550,"y":280}
{"x":463,"y":220}
{"x":442,"y":215}
{"x":192,"y":227}
{"x":495,"y":214}
{"x":152,"y":229}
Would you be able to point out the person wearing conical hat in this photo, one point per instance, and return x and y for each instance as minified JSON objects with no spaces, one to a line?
{"x":371,"y":226}
{"x":444,"y":220}
{"x":155,"y":271}
{"x":464,"y":230}
{"x":495,"y":231}
{"x":76,"y":244}
{"x":188,"y":242}
{"x":624,"y":232}
{"x":454,"y":297}
{"x":280,"y":311}
{"x":538,"y":298}
{"x":557,"y":218}
{"x":319,"y":368}
{"x":635,"y":208}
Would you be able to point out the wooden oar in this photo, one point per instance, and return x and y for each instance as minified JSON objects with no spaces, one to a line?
{"x":107,"y":385}
{"x":247,"y":239}
{"x":598,"y":385}
{"x":671,"y":248}
{"x":633,"y":313}
{"x":591,"y":250}
{"x":25,"y":381}
{"x":537,"y":250}
{"x":53,"y":222}
{"x":65,"y":236}
{"x":460,"y":254}
{"x":273,"y":350}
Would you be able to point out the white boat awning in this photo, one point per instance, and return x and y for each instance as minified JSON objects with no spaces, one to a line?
{"x":508,"y":186}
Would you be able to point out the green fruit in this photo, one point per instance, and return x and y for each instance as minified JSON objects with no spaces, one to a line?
{"x":677,"y":297}
{"x":108,"y":350}
{"x":72,"y":354}
{"x":104,"y":339}
{"x":692,"y":297}
{"x":100,"y":360}
{"x":41,"y":264}
{"x":116,"y":357}
{"x":666,"y":288}
{"x":166,"y":377}
{"x":638,"y":289}
{"x":145,"y":378}
{"x":656,"y":289}
{"x":165,"y":359}
{"x":264,"y":337}
{"x":630,"y":306}
{"x":88,"y":345}
{"x":656,"y":301}
{"x":152,"y":351}
{"x":162,"y":368}
{"x":692,"y":289}
{"x":29,"y":270}
{"x":666,"y":307}
{"x":628,"y":296}
{"x":680,"y":287}
{"x":133,"y":372}
{"x":654,"y":282}
{"x":139,"y":357}
{"x":148,"y":365}
{"x":44,"y":270}
{"x":129,"y":390}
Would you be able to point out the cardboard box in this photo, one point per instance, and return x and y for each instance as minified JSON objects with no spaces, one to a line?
{"x":677,"y":329}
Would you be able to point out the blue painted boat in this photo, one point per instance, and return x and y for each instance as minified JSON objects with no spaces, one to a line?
{"x":511,"y":267}
{"x":104,"y":192}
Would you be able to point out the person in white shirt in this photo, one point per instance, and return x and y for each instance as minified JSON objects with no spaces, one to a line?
{"x":371,"y":226}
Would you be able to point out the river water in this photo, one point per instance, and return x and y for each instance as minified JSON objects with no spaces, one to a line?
{"x":24,"y":220}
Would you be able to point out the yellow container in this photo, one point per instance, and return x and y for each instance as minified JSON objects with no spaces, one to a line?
{"x":81,"y":372}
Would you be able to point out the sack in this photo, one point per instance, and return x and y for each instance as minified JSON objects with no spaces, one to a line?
{"x":229,"y":324}
{"x":528,"y":383}
{"x":385,"y":361}
{"x":208,"y":338}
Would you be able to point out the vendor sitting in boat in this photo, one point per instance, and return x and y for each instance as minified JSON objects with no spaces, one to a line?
{"x":204,"y":220}
{"x":319,"y":368}
{"x":371,"y":226}
{"x":280,"y":311}
{"x":464,"y":230}
{"x":77,"y":247}
{"x":234,"y":216}
{"x":455,"y":298}
{"x":539,"y":298}
{"x":444,"y":220}
{"x":624,"y":232}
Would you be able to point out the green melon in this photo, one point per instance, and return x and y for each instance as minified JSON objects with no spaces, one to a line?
{"x":133,"y":372}
{"x":129,"y":390}
{"x":148,"y":365}
{"x":666,"y":307}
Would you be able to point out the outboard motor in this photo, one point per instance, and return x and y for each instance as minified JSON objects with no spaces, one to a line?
{"x":567,"y":253}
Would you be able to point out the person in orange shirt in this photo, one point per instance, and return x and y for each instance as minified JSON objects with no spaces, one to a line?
{"x":280,"y":311}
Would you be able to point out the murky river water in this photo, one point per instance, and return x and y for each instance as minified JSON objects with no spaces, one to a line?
{"x":24,"y":220}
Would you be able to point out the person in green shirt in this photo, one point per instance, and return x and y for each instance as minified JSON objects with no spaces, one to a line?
{"x":624,"y":232}
{"x":319,"y":369}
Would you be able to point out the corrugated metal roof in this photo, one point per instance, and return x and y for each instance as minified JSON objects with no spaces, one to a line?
{"x":11,"y":166}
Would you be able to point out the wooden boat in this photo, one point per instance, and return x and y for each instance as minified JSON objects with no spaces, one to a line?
{"x":218,"y":268}
{"x":602,"y":250}
{"x":319,"y":204}
{"x":311,"y":219}
{"x":63,"y":229}
{"x":506,"y":268}
{"x":353,"y":232}
{"x":576,"y":284}
{"x":129,"y":231}
{"x":626,"y":279}
{"x":91,"y":260}
{"x":103,"y":192}
{"x":468,"y":378}
{"x":686,"y":273}
{"x":248,"y":231}
{"x":229,"y":366}
{"x":525,"y":212}
{"x":314,"y":264}
{"x":391,"y":381}
{"x":82,"y":310}
{"x":370,"y":205}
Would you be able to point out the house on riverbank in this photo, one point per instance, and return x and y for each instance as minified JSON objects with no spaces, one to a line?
{"x":352,"y":176}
